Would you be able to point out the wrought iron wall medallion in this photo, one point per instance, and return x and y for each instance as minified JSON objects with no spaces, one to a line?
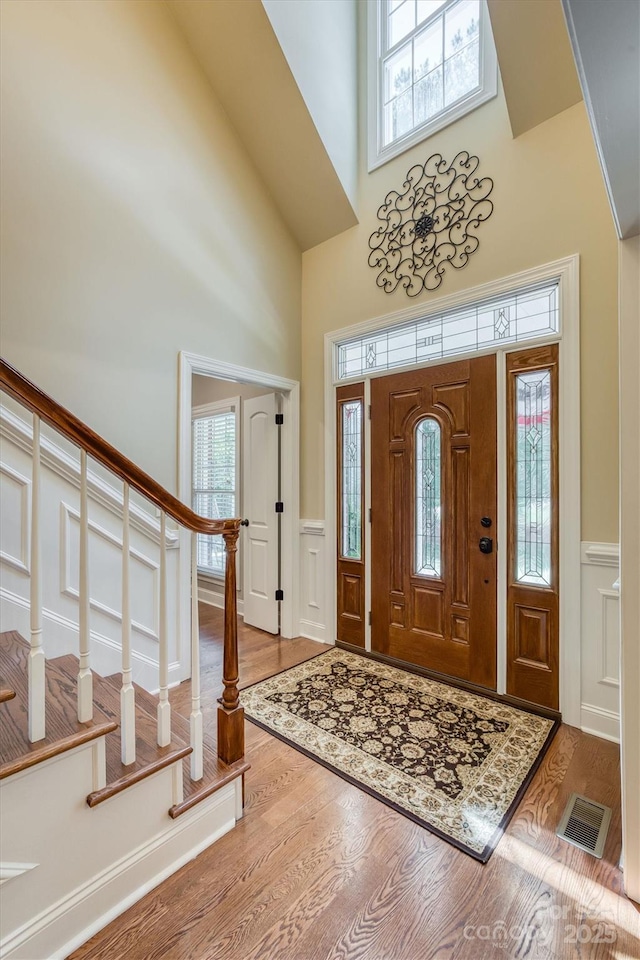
{"x":431,"y":224}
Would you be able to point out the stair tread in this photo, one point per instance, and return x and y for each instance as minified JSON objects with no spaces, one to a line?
{"x":63,"y":731}
{"x":216,"y":773}
{"x":149,"y":756}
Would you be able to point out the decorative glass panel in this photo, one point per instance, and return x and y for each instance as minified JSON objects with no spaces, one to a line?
{"x":514,"y":318}
{"x":214,"y":481}
{"x":428,"y":504}
{"x":351,"y":480}
{"x":533,"y":478}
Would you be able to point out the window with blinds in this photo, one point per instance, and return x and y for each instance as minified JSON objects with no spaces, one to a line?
{"x":215,"y":476}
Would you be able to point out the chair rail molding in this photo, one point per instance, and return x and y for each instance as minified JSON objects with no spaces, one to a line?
{"x":10,"y":870}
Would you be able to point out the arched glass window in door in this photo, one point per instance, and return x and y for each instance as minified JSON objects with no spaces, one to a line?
{"x":428,"y":529}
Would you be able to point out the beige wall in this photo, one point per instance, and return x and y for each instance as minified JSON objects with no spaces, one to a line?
{"x":133,"y":224}
{"x":630,"y":557}
{"x":549,"y":202}
{"x":211,"y":389}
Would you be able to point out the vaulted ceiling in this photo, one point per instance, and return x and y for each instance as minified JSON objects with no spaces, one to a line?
{"x":606,"y":44}
{"x":536,"y":63}
{"x":238,"y":50}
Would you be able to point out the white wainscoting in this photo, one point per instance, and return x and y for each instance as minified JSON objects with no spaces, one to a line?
{"x":313,"y":572}
{"x":600,"y":682}
{"x":60,"y":556}
{"x":212,"y":592}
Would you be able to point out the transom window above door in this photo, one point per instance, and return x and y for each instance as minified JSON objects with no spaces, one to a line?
{"x":430,"y":62}
{"x":516,"y":317}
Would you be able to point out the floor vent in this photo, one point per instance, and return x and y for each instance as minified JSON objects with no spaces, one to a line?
{"x":585,"y":824}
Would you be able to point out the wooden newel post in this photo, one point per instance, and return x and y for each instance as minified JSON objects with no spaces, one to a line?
{"x":230,"y":713}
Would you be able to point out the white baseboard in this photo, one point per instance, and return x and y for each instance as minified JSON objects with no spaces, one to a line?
{"x":314,"y":631}
{"x":215,"y":599}
{"x":599,"y":722}
{"x":60,"y":637}
{"x":69,"y":923}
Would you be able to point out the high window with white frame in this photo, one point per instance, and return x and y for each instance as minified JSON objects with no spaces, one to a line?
{"x":215,"y":475}
{"x":430,"y":62}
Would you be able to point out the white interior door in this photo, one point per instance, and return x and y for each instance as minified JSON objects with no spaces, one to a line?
{"x":260,"y":493}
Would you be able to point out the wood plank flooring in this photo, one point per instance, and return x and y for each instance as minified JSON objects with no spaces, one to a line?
{"x":318,"y":870}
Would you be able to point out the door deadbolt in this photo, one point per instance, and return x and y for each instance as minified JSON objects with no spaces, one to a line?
{"x":486,"y":521}
{"x":486,"y":545}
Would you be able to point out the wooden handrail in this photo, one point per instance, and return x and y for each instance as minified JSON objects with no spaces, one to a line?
{"x":230,"y":711}
{"x":30,"y":396}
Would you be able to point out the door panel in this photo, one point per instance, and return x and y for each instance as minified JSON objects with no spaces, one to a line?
{"x":260,"y":493}
{"x":444,"y":618}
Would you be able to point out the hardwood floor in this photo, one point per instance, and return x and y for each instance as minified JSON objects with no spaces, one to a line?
{"x":318,"y":870}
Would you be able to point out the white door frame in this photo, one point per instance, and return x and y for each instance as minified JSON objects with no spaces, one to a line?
{"x":188,"y":364}
{"x":567,"y":272}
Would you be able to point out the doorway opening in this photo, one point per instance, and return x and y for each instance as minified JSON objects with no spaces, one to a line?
{"x":238,"y":456}
{"x":236,"y":473}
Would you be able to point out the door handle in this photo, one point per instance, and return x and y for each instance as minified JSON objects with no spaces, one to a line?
{"x":244,"y":523}
{"x":486,"y":545}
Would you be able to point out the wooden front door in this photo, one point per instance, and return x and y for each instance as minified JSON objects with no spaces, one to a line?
{"x":434,"y":498}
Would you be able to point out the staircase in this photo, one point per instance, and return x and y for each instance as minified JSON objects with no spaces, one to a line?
{"x":105,"y":789}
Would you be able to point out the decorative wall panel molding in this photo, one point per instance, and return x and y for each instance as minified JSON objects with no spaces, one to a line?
{"x":16,"y":519}
{"x":313,"y":604}
{"x":61,"y":635}
{"x":600,"y":681}
{"x":431,"y":224}
{"x":69,"y":561}
{"x":59,"y":536}
{"x":20,"y":433}
{"x":10,"y":870}
{"x":610,"y":666}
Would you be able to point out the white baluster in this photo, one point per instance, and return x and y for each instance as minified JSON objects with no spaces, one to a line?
{"x":127,"y":694}
{"x":85,"y":678}
{"x":164,"y":707}
{"x":196,"y":713}
{"x":36,"y":653}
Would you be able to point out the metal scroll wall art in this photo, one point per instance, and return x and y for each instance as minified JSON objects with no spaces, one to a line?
{"x":432,"y":224}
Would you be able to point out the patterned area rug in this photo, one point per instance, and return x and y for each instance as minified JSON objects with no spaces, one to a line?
{"x":454,"y":762}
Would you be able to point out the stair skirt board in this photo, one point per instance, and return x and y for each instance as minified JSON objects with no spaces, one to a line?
{"x":93,"y":900}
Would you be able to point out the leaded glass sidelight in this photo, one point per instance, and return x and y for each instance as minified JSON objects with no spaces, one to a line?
{"x":533,"y":477}
{"x":428,"y":503}
{"x":351,"y":543}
